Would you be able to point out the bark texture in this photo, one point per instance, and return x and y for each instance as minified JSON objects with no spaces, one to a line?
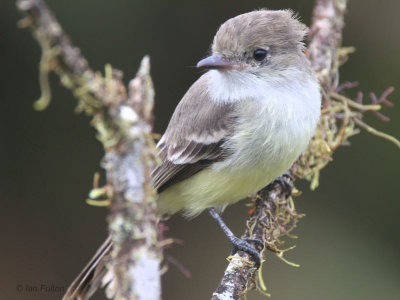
{"x":123,"y":119}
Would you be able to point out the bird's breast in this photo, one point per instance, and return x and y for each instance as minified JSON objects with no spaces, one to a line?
{"x":272,"y":130}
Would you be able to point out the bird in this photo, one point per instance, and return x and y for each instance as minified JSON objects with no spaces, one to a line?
{"x":241,"y":125}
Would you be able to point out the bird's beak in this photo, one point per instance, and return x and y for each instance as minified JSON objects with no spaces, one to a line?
{"x":216,"y":61}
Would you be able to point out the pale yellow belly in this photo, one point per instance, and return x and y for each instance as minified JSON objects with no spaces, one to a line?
{"x":212,"y":188}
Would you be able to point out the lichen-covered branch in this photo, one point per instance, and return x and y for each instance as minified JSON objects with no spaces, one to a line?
{"x":135,"y":258}
{"x":326,"y":40}
{"x":123,"y":120}
{"x":274,"y":214}
{"x":341,"y":116}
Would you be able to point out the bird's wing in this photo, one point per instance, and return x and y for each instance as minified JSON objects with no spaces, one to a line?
{"x":195,"y":136}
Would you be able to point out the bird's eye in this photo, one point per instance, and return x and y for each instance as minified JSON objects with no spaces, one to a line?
{"x":260,"y":54}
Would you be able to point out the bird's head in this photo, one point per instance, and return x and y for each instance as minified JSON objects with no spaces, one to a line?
{"x":264,"y":43}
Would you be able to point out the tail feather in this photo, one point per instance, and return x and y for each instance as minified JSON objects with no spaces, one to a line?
{"x":89,"y":280}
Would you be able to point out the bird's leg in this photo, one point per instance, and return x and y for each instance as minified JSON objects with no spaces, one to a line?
{"x":237,"y":243}
{"x":285,"y":182}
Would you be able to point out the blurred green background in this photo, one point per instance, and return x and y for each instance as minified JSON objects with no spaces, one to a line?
{"x":348,"y":245}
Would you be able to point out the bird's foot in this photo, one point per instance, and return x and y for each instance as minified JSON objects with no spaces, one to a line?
{"x":285,"y":182}
{"x":239,"y":244}
{"x":246,"y":246}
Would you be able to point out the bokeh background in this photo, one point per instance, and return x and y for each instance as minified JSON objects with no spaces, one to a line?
{"x":348,"y":245}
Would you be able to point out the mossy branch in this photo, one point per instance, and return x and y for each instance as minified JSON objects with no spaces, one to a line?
{"x":273,"y":214}
{"x":123,"y":119}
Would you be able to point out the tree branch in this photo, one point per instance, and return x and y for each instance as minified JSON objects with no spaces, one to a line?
{"x":273,"y":214}
{"x":124,"y":123}
{"x":325,"y":41}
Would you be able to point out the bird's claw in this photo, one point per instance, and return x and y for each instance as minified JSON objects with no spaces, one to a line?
{"x":246,"y":246}
{"x":285,"y":182}
{"x":255,"y":241}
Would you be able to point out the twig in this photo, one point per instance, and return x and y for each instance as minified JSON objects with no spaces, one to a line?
{"x":355,"y":104}
{"x":381,"y":134}
{"x":124,"y":123}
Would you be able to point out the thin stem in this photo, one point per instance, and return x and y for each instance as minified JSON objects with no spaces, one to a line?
{"x":377,"y":132}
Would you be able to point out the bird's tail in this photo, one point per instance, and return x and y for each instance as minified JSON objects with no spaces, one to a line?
{"x":91,"y":277}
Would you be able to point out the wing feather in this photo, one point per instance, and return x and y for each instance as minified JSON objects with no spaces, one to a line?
{"x":195,"y":137}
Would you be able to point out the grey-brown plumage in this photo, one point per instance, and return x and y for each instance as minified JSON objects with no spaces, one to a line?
{"x":194,"y":138}
{"x":88,"y":281}
{"x":280,"y":31}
